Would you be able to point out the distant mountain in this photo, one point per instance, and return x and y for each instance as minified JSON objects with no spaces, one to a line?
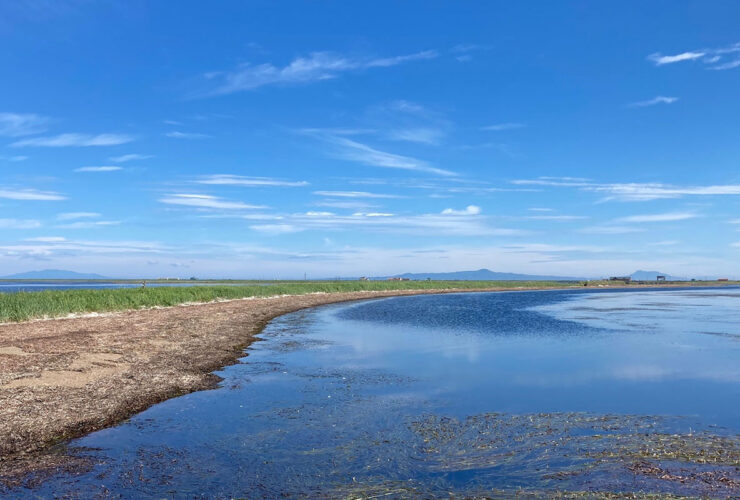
{"x":652,"y":276}
{"x":485,"y":275}
{"x":54,"y":274}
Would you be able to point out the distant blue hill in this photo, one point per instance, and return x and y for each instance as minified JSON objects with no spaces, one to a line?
{"x":652,"y":276}
{"x":485,"y":275}
{"x":54,"y":274}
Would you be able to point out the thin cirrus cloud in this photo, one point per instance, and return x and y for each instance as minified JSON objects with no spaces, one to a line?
{"x":353,"y":194}
{"x":349,"y":205}
{"x":107,"y":168}
{"x":418,"y":135}
{"x":664,"y":217}
{"x":469,"y":210}
{"x":77,"y":215}
{"x":556,"y":218}
{"x":237,"y":180}
{"x":30,"y":194}
{"x":633,"y":191}
{"x":315,"y":67}
{"x":652,"y":102}
{"x":46,"y":239}
{"x":458,"y":224}
{"x":20,"y":124}
{"x":129,"y":157}
{"x":503,"y":126}
{"x":74,"y":140}
{"x":186,"y":135}
{"x":721,"y":58}
{"x":88,"y":224}
{"x":660,"y":59}
{"x":48,"y":247}
{"x":206,"y":202}
{"x":352,"y":150}
{"x":612,"y":229}
{"x":19,"y":223}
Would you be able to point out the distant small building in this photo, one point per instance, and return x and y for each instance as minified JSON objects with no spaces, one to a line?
{"x":660,"y":278}
{"x":626,"y":279}
{"x":364,"y":278}
{"x":723,"y":279}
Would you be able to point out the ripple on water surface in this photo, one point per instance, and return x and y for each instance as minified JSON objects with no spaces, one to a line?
{"x":469,"y":393}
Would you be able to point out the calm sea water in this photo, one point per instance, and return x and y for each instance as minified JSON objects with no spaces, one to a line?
{"x":422,"y":396}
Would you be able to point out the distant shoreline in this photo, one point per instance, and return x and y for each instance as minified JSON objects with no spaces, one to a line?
{"x":44,"y":304}
{"x":64,"y":378}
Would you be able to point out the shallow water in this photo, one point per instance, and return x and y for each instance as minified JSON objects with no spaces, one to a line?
{"x":478,"y":393}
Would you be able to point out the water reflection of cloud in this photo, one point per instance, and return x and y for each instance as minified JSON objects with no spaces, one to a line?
{"x":669,"y":311}
{"x":626,"y":373}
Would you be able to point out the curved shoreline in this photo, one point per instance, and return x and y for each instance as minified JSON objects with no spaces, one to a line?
{"x":64,"y":378}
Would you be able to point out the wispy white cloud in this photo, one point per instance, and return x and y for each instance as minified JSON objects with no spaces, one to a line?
{"x":715,"y":59}
{"x":634,"y":191}
{"x":728,"y":65}
{"x":373,"y":214}
{"x":186,"y":135}
{"x":406,"y":121}
{"x":503,"y":126}
{"x":469,"y":210}
{"x":652,"y":102}
{"x":129,"y":157}
{"x":206,"y":201}
{"x":660,"y":59}
{"x":76,"y":249}
{"x":30,"y":194}
{"x":238,"y":180}
{"x":47,"y":239}
{"x":14,"y":158}
{"x":353,"y":194}
{"x":612,"y":229}
{"x":77,"y":215}
{"x":462,"y":223}
{"x":89,"y":224}
{"x":19,"y":223}
{"x":352,"y":150}
{"x":418,"y":135}
{"x":556,"y":218}
{"x":548,"y":247}
{"x":463,"y":52}
{"x":108,"y":168}
{"x":664,"y":217}
{"x":275,"y":228}
{"x":349,"y":205}
{"x":317,"y":66}
{"x":75,"y":140}
{"x":20,"y":124}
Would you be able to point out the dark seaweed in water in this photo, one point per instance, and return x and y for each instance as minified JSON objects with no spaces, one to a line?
{"x":471,"y":395}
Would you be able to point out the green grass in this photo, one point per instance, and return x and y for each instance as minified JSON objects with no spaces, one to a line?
{"x":54,"y":303}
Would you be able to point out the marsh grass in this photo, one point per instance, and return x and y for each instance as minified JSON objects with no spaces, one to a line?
{"x":23,"y":306}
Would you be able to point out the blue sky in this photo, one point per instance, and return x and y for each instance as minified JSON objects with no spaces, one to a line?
{"x":269,"y":140}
